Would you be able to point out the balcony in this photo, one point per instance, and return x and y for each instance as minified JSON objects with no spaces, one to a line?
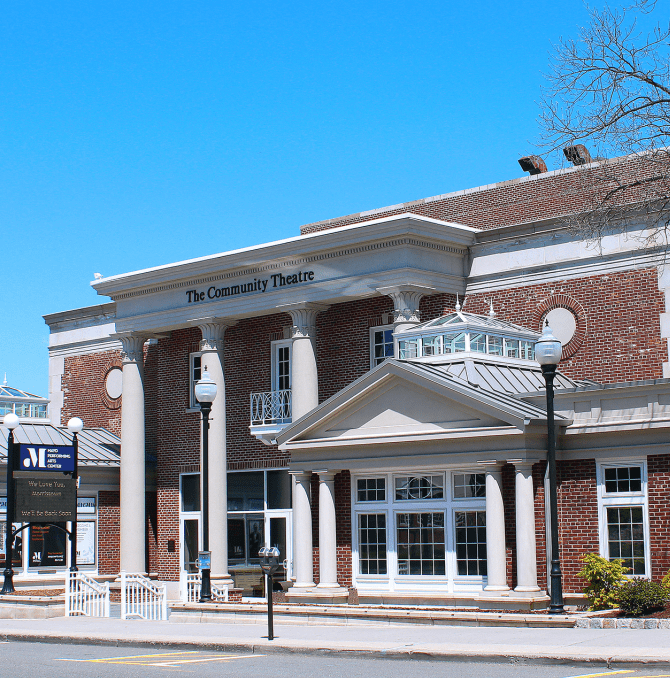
{"x":270,"y":413}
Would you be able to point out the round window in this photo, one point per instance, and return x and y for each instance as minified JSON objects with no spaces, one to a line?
{"x":563,"y":323}
{"x":114,"y":383}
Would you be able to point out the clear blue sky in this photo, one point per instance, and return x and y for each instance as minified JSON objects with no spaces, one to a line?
{"x":141,"y":133}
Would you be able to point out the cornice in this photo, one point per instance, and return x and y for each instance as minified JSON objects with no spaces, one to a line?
{"x":293,"y":262}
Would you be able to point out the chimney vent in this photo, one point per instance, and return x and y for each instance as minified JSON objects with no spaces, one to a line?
{"x":577,"y":155}
{"x":533,"y":164}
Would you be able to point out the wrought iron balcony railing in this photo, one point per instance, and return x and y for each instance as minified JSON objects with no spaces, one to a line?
{"x":271,"y":407}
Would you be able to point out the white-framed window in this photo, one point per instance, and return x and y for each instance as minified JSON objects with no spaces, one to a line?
{"x":281,"y":365}
{"x":429,"y":525}
{"x":623,"y":514}
{"x":194,"y":375}
{"x":381,"y":344}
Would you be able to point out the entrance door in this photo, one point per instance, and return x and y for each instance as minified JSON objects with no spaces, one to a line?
{"x":278,"y":531}
{"x":190,"y":540}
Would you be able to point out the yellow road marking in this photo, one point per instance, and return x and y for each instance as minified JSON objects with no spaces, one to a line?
{"x":170,"y":659}
{"x":606,"y":673}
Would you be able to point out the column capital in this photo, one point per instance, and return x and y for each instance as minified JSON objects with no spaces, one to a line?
{"x":326,"y":475}
{"x":523,"y":464}
{"x":300,"y":475}
{"x":406,"y":299}
{"x":212,"y":330}
{"x":303,"y":314}
{"x":132,"y":345}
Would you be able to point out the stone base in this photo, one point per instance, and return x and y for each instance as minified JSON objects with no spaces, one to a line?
{"x":31,"y":607}
{"x":474,"y":601}
{"x":323,"y":596}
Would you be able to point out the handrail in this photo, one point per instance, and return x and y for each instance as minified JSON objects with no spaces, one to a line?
{"x":85,"y":596}
{"x":140,"y":597}
{"x":270,"y":407}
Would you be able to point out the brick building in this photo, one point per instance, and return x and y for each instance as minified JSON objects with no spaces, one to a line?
{"x":380,"y":415}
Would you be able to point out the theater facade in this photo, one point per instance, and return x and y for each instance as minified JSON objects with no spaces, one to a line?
{"x":380,"y":414}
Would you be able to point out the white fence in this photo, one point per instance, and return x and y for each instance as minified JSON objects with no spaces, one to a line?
{"x":271,"y":407}
{"x":85,"y":596}
{"x":142,"y":598}
{"x":191,"y":583}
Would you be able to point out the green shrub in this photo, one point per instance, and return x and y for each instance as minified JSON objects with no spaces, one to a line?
{"x":604,"y":578}
{"x":666,"y":581}
{"x":640,"y":596}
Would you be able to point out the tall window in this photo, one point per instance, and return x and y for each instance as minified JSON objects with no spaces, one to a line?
{"x":622,"y":499}
{"x":281,"y":365}
{"x":195,"y":374}
{"x":381,"y":344}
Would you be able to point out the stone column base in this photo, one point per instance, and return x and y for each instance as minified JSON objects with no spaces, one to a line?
{"x":528,"y":592}
{"x":326,"y":596}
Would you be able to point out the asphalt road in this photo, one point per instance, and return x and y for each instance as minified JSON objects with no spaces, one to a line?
{"x":42,"y":660}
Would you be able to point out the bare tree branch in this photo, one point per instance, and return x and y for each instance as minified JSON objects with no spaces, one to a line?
{"x":610,"y":89}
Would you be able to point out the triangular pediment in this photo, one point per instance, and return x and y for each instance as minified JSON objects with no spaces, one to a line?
{"x":400,"y":399}
{"x":402,"y":406}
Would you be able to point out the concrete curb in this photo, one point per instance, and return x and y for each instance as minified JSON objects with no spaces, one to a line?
{"x":625,"y":623}
{"x":277,"y":647}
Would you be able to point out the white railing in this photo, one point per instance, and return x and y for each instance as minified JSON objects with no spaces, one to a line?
{"x":85,"y":596}
{"x":190,"y":590}
{"x":142,"y":598}
{"x":271,"y":407}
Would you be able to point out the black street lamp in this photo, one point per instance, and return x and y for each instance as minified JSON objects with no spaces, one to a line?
{"x":548,"y":351}
{"x":75,"y":425}
{"x":11,"y":422}
{"x":205,"y":392}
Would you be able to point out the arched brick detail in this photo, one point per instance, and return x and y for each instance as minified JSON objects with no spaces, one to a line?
{"x":111,"y":403}
{"x":572,"y":305}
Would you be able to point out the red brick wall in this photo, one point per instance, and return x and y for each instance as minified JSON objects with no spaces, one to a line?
{"x":623,"y":339}
{"x":84,"y":393}
{"x":344,"y":528}
{"x":577,"y":518}
{"x":108,"y":532}
{"x":658,"y":471}
{"x":518,"y":201}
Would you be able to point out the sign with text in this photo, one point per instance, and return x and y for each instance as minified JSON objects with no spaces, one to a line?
{"x":86,"y":542}
{"x":46,"y":546}
{"x":47,"y":458}
{"x":45,"y":500}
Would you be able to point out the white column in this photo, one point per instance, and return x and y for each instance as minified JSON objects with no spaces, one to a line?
{"x":133,"y":455}
{"x":496,"y":554}
{"x":406,"y":299}
{"x":327,"y":531}
{"x":211,"y":347}
{"x":304,"y":376}
{"x":526,"y":557}
{"x":303,"y":566}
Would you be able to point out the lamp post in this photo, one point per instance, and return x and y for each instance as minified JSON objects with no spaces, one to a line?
{"x":75,"y":425}
{"x":548,"y":352}
{"x":205,"y":392}
{"x":11,"y":422}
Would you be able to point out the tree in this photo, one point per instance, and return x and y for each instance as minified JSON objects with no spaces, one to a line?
{"x":609,"y":91}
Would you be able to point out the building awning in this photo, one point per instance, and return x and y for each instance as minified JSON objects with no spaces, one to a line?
{"x":97,"y":446}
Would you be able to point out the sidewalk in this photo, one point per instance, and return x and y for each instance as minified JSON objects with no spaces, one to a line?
{"x":609,"y":646}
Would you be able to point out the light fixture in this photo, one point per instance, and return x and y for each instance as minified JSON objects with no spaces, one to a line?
{"x":205,"y":389}
{"x":548,"y":351}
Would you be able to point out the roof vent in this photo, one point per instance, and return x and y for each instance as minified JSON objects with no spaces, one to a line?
{"x":533,"y":164}
{"x":577,"y":155}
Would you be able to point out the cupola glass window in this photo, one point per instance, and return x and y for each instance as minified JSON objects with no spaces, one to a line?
{"x":467,"y":333}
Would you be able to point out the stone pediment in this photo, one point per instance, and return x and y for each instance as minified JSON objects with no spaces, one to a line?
{"x":400,"y":400}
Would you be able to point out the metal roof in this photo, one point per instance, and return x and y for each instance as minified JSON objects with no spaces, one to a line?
{"x":501,"y":376}
{"x":460,"y":321}
{"x":11,"y":393}
{"x":97,"y":446}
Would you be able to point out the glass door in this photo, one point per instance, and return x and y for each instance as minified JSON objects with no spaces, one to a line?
{"x":278,"y":530}
{"x":190,"y":540}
